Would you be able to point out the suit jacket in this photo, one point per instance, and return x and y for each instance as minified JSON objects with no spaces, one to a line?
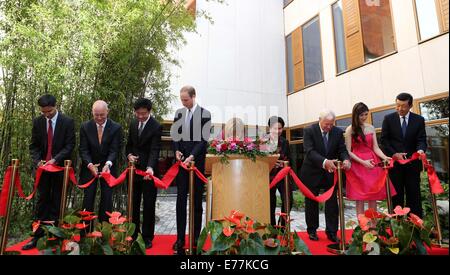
{"x":63,"y":139}
{"x":147,"y":146}
{"x":92,"y":152}
{"x":192,"y":143}
{"x":312,"y":172}
{"x":285,"y":155}
{"x":392,"y":139}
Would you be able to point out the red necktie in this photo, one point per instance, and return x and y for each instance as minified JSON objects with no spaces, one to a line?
{"x":49,"y":141}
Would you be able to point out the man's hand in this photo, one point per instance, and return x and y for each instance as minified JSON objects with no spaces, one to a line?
{"x":93,"y":168}
{"x":148,"y":171}
{"x":105,"y":169}
{"x":133,"y":158}
{"x":421,"y":152}
{"x":41,"y":163}
{"x":347,"y":164}
{"x":52,"y":161}
{"x":329,"y":166}
{"x":178,"y":155}
{"x":399,"y":156}
{"x":188,"y":160}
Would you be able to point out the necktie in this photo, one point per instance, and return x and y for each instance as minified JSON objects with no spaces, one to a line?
{"x":189,"y":117}
{"x":48,"y":156}
{"x":404,"y":125}
{"x":141,"y":127}
{"x":100,"y":133}
{"x":325,"y":141}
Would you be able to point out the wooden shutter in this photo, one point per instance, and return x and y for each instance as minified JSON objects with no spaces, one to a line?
{"x":442,"y":11}
{"x":353,"y":33}
{"x":297,"y":56}
{"x":191,"y":6}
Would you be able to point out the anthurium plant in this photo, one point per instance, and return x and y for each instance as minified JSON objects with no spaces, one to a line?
{"x":74,"y":238}
{"x":238,"y":234}
{"x":400,"y":233}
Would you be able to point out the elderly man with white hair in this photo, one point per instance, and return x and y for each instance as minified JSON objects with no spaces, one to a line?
{"x":323,"y":144}
{"x":100,"y":143}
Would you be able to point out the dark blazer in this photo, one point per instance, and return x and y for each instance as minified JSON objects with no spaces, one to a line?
{"x":312,"y":172}
{"x":63,"y":139}
{"x":92,"y":152}
{"x":193,"y":144}
{"x":392,"y":140}
{"x":284,"y":155}
{"x":147,"y":146}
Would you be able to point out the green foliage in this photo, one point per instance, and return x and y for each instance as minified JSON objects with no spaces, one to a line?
{"x":239,"y":235}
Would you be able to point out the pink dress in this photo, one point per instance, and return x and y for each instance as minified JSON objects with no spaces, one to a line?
{"x":363,"y":183}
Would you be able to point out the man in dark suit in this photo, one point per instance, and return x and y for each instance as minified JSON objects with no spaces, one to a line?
{"x":276,"y":125}
{"x":52,"y":140}
{"x":190,"y":133}
{"x":323,"y":143}
{"x":402,"y":134}
{"x":100,"y":142}
{"x":144,"y":143}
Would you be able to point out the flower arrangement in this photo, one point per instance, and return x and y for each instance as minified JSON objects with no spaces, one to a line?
{"x":249,"y":147}
{"x":240,"y":235}
{"x":108,"y":238}
{"x":389,"y":234}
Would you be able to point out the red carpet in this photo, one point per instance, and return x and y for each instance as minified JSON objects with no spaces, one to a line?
{"x":162,"y":245}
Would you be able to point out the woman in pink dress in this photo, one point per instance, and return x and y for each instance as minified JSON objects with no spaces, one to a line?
{"x":364,"y":180}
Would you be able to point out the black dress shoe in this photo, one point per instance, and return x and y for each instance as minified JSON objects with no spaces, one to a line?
{"x":332,"y":237}
{"x":31,"y":244}
{"x":148,"y":243}
{"x":313,"y":236}
{"x":178,"y":246}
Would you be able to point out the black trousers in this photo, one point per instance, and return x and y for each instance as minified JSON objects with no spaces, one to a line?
{"x":182,"y":192}
{"x":331,"y":211}
{"x":273,"y":202}
{"x":105,"y":199}
{"x":49,"y":199}
{"x":406,"y":180}
{"x":144,"y":189}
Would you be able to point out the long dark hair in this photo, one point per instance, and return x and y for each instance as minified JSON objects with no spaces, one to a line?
{"x":357,"y":130}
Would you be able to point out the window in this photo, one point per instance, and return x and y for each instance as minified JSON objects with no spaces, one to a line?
{"x":437,"y":152}
{"x":339,"y":37}
{"x":378,"y":117}
{"x":312,"y":52}
{"x":289,"y":64}
{"x":296,"y":134}
{"x":343,"y":123}
{"x":363,"y":31}
{"x":434,"y":109}
{"x":432,"y":17}
{"x":377,"y":31}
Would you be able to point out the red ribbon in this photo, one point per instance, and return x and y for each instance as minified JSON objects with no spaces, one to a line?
{"x":173,"y":172}
{"x":305,"y":190}
{"x":5,"y":191}
{"x":112,"y":181}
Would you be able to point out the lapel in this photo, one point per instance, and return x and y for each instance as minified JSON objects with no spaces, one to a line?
{"x":57,"y":132}
{"x":106,"y":131}
{"x":319,"y":137}
{"x":408,"y":126}
{"x":43,"y":125}
{"x":92,"y":129}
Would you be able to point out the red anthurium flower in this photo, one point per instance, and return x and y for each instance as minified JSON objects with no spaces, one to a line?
{"x":234,"y":220}
{"x":228,"y":231}
{"x":117,"y":220}
{"x":270,"y":243}
{"x":250,"y":229}
{"x":76,"y":238}
{"x":89,"y":218}
{"x":113,"y":214}
{"x":129,"y":239}
{"x":85,"y":213}
{"x":81,"y":226}
{"x":401,"y":211}
{"x":363,"y":222}
{"x":237,"y":214}
{"x":372,"y":214}
{"x":67,"y":226}
{"x":94,"y":234}
{"x":120,"y":230}
{"x":36,"y":225}
{"x":416,"y":220}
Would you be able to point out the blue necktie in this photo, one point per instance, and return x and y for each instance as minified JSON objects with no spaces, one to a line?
{"x":404,"y":126}
{"x":325,"y":141}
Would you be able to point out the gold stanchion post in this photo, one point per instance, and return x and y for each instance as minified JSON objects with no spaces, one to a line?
{"x":438,"y":241}
{"x":339,"y":248}
{"x":388,"y":188}
{"x":191,"y":208}
{"x":287,"y":199}
{"x":15,"y":166}
{"x":131,"y":169}
{"x":62,"y":207}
